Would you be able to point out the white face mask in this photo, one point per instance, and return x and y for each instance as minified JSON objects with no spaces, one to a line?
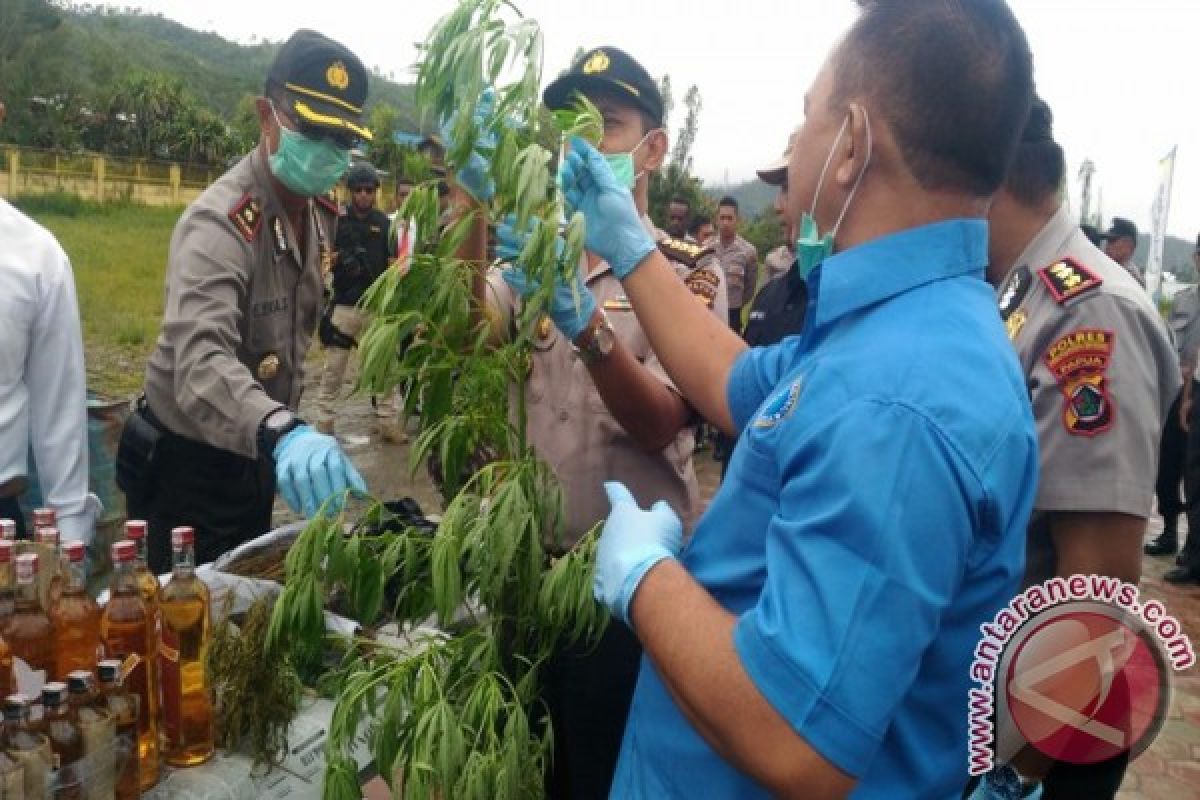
{"x":811,"y":247}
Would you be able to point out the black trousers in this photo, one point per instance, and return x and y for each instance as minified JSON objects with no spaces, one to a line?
{"x":1172,"y":458}
{"x":11,"y":509}
{"x":225,"y":497}
{"x":1191,"y":488}
{"x":588,"y":693}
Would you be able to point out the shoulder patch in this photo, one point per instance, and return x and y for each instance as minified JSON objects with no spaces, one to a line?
{"x":1068,"y":278}
{"x":327,"y":203}
{"x":1079,"y":362}
{"x":703,"y":283}
{"x":683,"y":252}
{"x":1013,"y":292}
{"x":247,"y":217}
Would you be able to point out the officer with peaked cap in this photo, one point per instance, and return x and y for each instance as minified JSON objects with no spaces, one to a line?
{"x":216,"y":434}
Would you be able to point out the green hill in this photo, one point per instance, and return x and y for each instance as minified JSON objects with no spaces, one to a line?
{"x":69,"y":57}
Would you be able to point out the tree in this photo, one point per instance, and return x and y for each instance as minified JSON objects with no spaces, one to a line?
{"x":676,"y":178}
{"x":681,"y":153}
{"x":383,"y":151}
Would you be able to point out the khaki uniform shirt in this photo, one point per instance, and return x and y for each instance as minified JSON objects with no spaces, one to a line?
{"x":778,"y":262}
{"x":241,"y":305}
{"x":1184,"y":322}
{"x":572,"y":429}
{"x":739,"y":259}
{"x":1102,"y":375}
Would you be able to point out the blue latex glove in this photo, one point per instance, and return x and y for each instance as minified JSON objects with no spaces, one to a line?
{"x":614,"y":227}
{"x":571,"y":305}
{"x":631,"y":543}
{"x":475,"y":176}
{"x":310,"y":468}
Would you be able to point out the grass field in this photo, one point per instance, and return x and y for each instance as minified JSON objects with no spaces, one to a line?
{"x":119,"y":254}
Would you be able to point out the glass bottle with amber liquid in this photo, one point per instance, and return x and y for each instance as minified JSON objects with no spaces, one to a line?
{"x":26,"y":746}
{"x":66,"y":743}
{"x":126,"y":631}
{"x":76,"y":619}
{"x":123,"y":706}
{"x":30,"y":634}
{"x":8,"y":529}
{"x":7,"y":605}
{"x":135,"y":531}
{"x":50,"y":579}
{"x":187,"y":717}
{"x":91,"y":714}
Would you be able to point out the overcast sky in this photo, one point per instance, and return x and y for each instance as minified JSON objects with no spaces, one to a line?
{"x":1121,"y":75}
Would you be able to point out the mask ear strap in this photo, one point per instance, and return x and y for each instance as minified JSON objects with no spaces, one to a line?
{"x":862,"y":172}
{"x":828,"y":160}
{"x":641,"y":142}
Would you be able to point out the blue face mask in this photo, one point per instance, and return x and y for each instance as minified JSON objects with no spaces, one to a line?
{"x":622,"y":165}
{"x":309,"y":167}
{"x":812,"y":248}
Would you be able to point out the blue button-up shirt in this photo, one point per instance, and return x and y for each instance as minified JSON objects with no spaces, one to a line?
{"x":873,"y":517}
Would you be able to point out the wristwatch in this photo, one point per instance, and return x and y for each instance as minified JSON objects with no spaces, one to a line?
{"x":274,"y":427}
{"x":595,"y":343}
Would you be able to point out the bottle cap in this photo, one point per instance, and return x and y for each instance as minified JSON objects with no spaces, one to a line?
{"x":16,"y":706}
{"x":182,"y":537}
{"x":75,"y":551}
{"x":8,"y":529}
{"x":46,"y":535}
{"x":44,"y":518}
{"x":109,"y":670}
{"x":7,"y":548}
{"x":27,"y":567}
{"x":135,"y":529}
{"x":79,"y":681}
{"x":54,"y":693}
{"x":124,"y":552}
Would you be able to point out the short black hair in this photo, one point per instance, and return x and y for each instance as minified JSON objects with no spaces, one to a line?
{"x":698,"y":222}
{"x":953,"y":79}
{"x":1038,"y":167}
{"x":728,"y":202}
{"x":681,"y":200}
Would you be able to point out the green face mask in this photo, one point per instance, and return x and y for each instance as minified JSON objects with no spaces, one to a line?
{"x":811,"y":247}
{"x":622,"y":165}
{"x":309,"y":167}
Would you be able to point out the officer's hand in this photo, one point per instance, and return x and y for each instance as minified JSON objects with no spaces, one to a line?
{"x":475,"y":175}
{"x":614,"y":227}
{"x":632,"y":542}
{"x":571,"y":305}
{"x":310,"y":469}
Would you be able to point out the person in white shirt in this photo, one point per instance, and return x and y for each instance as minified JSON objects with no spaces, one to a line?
{"x":43,"y":386}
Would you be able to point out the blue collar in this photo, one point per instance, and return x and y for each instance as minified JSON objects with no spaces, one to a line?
{"x":891,"y":265}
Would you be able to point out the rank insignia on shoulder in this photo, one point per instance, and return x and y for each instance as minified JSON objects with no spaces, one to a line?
{"x":1013,"y":292}
{"x":683,"y":252}
{"x":247,"y":217}
{"x":618,"y":303}
{"x":1079,"y":362}
{"x":1068,"y":278}
{"x":328,"y":203}
{"x":703,"y":283}
{"x":280,"y":236}
{"x":1014,"y":323}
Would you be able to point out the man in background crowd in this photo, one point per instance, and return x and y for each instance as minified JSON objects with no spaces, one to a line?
{"x":1120,"y":242}
{"x":738,"y":258}
{"x":679,"y":217}
{"x":43,"y":386}
{"x":701,"y":229}
{"x":779,"y":261}
{"x":361,"y":256}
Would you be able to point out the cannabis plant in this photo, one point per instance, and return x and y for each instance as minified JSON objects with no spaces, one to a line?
{"x":455,"y":714}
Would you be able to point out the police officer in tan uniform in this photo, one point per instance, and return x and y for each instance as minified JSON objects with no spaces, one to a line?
{"x":1102,"y":375}
{"x":601,"y":407}
{"x":779,"y":261}
{"x":738,"y":258}
{"x":216,"y":432}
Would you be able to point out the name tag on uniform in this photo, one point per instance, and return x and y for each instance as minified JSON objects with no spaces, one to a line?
{"x":618,"y":303}
{"x":267,"y":307}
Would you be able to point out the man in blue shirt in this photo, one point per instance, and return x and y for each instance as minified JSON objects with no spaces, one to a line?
{"x":816,"y":636}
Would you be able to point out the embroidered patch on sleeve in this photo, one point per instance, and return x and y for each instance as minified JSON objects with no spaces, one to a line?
{"x":703,"y":283}
{"x":1079,"y":362}
{"x":1068,"y":278}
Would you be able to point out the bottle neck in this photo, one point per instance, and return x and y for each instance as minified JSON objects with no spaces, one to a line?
{"x":142,"y":561}
{"x":27,"y":595}
{"x":184,"y":562}
{"x":123,"y":579}
{"x":76,"y":578}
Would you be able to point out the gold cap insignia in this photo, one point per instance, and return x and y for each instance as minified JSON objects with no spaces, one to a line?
{"x":337,"y":75}
{"x":268,"y":368}
{"x":597,"y":62}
